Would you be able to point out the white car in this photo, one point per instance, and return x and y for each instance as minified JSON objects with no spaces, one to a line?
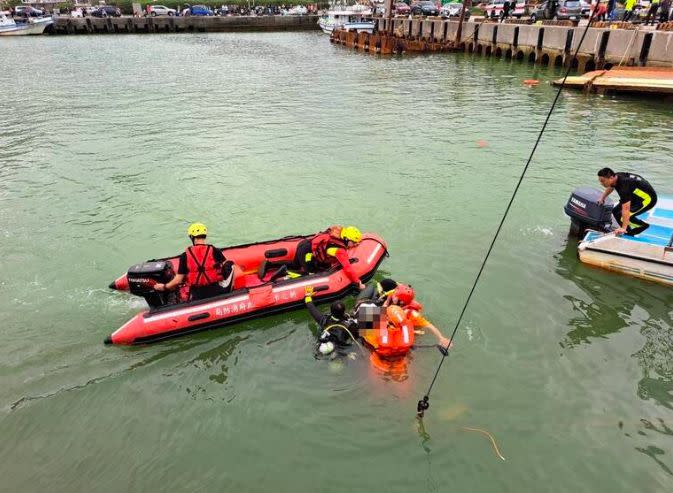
{"x":76,"y":13}
{"x":298,"y":10}
{"x":453,"y":9}
{"x":155,"y":10}
{"x":494,"y":8}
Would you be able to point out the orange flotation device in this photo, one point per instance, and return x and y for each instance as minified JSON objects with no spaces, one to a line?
{"x":393,"y":336}
{"x":531,"y":82}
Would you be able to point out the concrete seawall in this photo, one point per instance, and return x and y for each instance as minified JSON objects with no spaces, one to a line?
{"x":542,"y":44}
{"x":111,"y":25}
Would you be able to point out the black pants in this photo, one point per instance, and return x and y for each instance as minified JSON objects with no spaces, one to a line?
{"x":300,"y":263}
{"x":663,"y":15}
{"x":652,"y":13}
{"x":636,"y":225}
{"x":203,"y":292}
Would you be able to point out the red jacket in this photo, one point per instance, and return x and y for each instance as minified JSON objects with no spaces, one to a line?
{"x":326,"y":248}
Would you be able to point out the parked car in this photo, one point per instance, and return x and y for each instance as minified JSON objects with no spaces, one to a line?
{"x":566,"y":10}
{"x":424,"y":7}
{"x":77,"y":13}
{"x":453,"y":9}
{"x":200,"y":10}
{"x":585,"y":8}
{"x":401,"y":8}
{"x":155,"y":10}
{"x":107,"y":11}
{"x":297,"y":10}
{"x":223,"y":11}
{"x":26,"y":11}
{"x":494,"y":8}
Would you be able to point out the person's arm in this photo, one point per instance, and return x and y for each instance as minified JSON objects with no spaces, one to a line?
{"x":421,"y":322}
{"x":170,"y":284}
{"x":317,"y":315}
{"x":605,"y":194}
{"x":342,"y":256}
{"x":179,"y":277}
{"x":441,"y":340}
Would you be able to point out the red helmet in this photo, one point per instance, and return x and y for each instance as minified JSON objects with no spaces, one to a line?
{"x":404,"y":294}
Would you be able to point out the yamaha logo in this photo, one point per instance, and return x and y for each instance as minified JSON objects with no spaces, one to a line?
{"x":577,"y":202}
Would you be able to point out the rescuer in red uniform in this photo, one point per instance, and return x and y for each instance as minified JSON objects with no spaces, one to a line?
{"x":207,"y":271}
{"x":326,"y":249}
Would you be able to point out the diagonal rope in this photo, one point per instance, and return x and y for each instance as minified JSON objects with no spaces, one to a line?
{"x":424,"y":404}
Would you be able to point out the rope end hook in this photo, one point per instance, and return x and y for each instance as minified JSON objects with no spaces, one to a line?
{"x":422,"y":406}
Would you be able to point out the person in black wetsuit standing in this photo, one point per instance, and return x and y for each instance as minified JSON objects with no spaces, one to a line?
{"x":636,"y":196}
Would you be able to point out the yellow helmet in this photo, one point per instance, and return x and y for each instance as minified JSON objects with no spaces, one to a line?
{"x":351,"y":233}
{"x":197,"y":229}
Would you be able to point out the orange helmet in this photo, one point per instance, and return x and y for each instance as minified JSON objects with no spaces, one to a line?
{"x":404,"y":294}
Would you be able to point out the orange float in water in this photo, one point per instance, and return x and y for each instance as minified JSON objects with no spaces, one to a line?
{"x":531,"y":82}
{"x":482,"y":143}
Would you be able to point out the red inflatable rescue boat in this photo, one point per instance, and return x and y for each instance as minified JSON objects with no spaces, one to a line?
{"x":259,"y":288}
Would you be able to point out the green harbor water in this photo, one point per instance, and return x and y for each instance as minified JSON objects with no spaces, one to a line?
{"x":111,"y":145}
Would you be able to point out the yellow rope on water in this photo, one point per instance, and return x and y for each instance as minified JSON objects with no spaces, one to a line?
{"x":484,"y":432}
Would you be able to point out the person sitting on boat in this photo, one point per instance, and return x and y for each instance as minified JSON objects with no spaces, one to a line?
{"x":207,"y":271}
{"x":636,"y":196}
{"x":326,"y":249}
{"x":337,"y":329}
{"x":390,"y":293}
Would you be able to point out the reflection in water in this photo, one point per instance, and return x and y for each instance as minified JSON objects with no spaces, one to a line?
{"x":431,"y":482}
{"x":214,"y":361}
{"x":610,"y":310}
{"x":598,"y":317}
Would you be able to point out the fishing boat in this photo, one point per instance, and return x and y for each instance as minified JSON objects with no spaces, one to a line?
{"x":648,"y":255}
{"x":32,"y":25}
{"x":260,"y":287}
{"x":356,"y":17}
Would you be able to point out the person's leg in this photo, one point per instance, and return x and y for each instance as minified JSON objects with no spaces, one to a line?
{"x":636,"y":224}
{"x":617,"y":214}
{"x":303,"y":257}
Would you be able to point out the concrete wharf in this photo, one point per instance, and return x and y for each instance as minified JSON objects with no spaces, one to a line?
{"x":166,"y":24}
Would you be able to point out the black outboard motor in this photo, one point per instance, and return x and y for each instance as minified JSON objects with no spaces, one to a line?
{"x":143,"y":277}
{"x":585,"y":213}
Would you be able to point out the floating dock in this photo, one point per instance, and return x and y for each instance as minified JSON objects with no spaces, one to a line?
{"x":645,"y":80}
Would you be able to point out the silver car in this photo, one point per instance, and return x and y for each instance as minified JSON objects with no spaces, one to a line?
{"x":565,"y":10}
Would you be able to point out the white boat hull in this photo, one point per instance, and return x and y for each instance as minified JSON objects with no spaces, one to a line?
{"x":25,"y":29}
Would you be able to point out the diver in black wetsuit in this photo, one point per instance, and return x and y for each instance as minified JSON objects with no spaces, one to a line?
{"x":636,"y":196}
{"x":338,"y":330}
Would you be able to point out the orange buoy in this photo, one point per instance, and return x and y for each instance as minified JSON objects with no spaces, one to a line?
{"x":531,"y":82}
{"x":482,"y":143}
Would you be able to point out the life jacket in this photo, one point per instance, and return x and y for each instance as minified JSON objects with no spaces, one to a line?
{"x":202,"y":270}
{"x":319,"y":246}
{"x":391,"y":337}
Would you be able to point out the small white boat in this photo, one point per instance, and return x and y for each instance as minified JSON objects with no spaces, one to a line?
{"x":356,"y":17}
{"x":648,"y":255}
{"x":34,"y":25}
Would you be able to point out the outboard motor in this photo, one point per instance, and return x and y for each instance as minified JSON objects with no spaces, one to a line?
{"x":585,"y":213}
{"x":143,"y":277}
